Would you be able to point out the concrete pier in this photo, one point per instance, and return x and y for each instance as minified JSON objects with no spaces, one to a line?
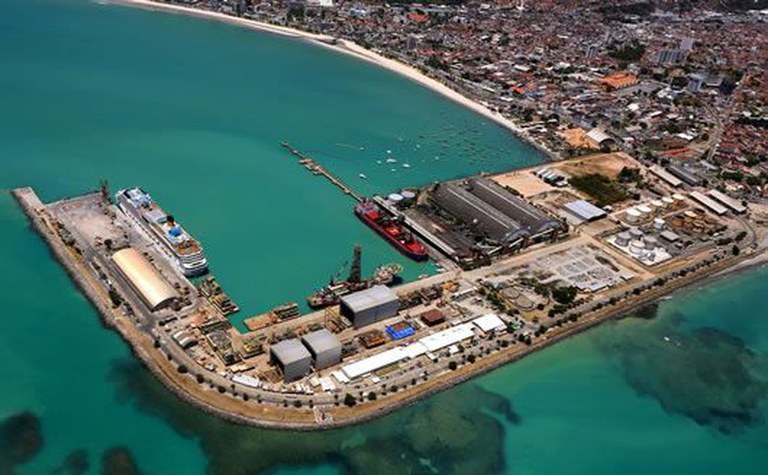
{"x":318,"y":169}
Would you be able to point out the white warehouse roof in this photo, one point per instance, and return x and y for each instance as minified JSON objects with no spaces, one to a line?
{"x":584,"y":210}
{"x":370,"y":298}
{"x":489,"y":323}
{"x":713,"y":206}
{"x":447,"y":337}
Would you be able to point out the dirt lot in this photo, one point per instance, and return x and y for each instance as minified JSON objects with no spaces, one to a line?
{"x":524,"y":182}
{"x":608,"y":164}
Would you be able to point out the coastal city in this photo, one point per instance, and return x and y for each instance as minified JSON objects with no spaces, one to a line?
{"x":653,"y":116}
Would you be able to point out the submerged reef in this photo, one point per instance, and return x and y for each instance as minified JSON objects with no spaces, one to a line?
{"x":704,"y":374}
{"x":21,"y":440}
{"x":432,"y":436}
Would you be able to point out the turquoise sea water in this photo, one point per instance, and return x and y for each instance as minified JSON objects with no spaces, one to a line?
{"x":194,"y":111}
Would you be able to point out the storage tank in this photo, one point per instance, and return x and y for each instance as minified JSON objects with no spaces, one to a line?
{"x":395,"y":198}
{"x":636,"y":233}
{"x":637,"y":248}
{"x":659,"y":224}
{"x":632,"y":215}
{"x":408,"y":195}
{"x":658,"y":204}
{"x":667,"y":200}
{"x":678,"y":197}
{"x":644,"y":209}
{"x":623,"y":238}
{"x":651,"y":243}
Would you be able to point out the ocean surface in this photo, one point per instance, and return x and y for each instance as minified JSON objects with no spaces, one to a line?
{"x":194,"y":112}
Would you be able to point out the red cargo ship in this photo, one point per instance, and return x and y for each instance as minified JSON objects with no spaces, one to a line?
{"x":391,"y":230}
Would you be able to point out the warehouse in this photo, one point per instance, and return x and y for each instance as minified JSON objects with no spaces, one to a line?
{"x":685,"y":174}
{"x":475,"y":212}
{"x":145,"y":280}
{"x":489,"y":323}
{"x":324,"y":347}
{"x":370,"y":306}
{"x":666,"y":176}
{"x":711,"y":204}
{"x":584,"y":210}
{"x":292,"y":358}
{"x":535,"y":222}
{"x":735,"y":205}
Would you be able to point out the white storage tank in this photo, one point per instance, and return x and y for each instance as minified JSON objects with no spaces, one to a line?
{"x":644,"y":209}
{"x":636,"y":233}
{"x":623,"y":238}
{"x":636,"y":248}
{"x":632,"y":215}
{"x":667,"y":200}
{"x":659,"y":224}
{"x":408,"y":195}
{"x":651,"y":242}
{"x":395,"y":198}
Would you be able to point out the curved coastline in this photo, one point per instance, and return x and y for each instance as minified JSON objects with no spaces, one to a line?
{"x":352,"y":49}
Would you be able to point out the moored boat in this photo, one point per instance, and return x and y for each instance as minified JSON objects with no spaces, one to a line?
{"x":184,"y":251}
{"x":392,"y":230}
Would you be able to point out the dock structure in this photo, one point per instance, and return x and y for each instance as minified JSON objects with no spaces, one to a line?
{"x":317,"y":169}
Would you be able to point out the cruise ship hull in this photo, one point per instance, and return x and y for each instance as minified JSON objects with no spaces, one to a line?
{"x":189,"y":266}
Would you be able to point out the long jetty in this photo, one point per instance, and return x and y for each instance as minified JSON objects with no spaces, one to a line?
{"x":317,"y":169}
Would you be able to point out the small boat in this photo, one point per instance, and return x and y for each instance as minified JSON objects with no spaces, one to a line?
{"x":405,"y":165}
{"x":363,"y":176}
{"x":391,"y":160}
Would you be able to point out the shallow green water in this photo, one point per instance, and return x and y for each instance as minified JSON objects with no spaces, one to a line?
{"x":194,"y":111}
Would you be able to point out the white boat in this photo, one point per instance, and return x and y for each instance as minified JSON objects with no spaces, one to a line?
{"x":184,"y":251}
{"x":363,"y":176}
{"x":391,"y":160}
{"x":406,"y":165}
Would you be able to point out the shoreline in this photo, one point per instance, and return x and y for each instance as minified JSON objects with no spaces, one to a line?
{"x":242,"y":412}
{"x":350,"y":48}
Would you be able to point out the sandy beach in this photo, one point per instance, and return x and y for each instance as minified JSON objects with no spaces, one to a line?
{"x":352,"y":49}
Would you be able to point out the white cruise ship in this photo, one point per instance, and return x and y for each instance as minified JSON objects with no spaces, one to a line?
{"x":186,"y":252}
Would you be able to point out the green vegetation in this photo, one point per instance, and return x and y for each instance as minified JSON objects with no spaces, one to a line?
{"x":629,"y":52}
{"x":564,"y":295}
{"x":600,"y":188}
{"x":349,"y":400}
{"x":629,"y":174}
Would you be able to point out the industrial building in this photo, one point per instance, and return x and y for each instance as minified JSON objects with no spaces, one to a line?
{"x":708,"y":202}
{"x":534,"y":222}
{"x":688,"y":176}
{"x":584,"y":210}
{"x":370,"y":305}
{"x":293,"y":359}
{"x":145,"y":280}
{"x":666,"y":176}
{"x":731,"y":203}
{"x":324,"y":347}
{"x":478,"y":214}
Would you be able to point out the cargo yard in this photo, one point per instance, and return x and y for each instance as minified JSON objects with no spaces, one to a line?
{"x":528,"y":257}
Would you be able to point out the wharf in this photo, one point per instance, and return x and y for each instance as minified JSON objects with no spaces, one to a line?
{"x":317,"y":169}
